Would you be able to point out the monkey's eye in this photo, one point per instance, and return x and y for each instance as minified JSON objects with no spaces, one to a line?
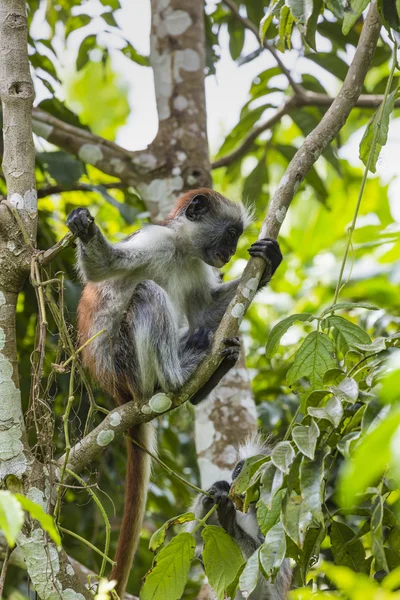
{"x":232,"y":234}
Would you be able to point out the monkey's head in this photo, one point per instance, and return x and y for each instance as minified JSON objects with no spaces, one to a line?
{"x":211,"y":225}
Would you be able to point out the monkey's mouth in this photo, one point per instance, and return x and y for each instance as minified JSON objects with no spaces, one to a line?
{"x":216,"y":259}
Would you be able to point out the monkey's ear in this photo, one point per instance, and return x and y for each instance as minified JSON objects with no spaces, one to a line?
{"x":198,"y":206}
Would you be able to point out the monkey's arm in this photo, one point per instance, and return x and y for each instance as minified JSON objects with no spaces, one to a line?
{"x":97,"y":258}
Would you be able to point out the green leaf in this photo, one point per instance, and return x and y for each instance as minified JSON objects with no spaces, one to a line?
{"x":332,"y":411}
{"x":302,"y":11}
{"x":295,"y":518}
{"x":280,"y":329}
{"x":381,"y":129}
{"x":348,"y":306}
{"x":347,"y":333}
{"x":272,"y":10}
{"x":113,"y":4}
{"x":347,"y":390}
{"x":63,"y":167}
{"x":374,"y":450}
{"x":305,"y":437}
{"x":312,"y":24}
{"x":88,"y":44}
{"x":389,"y":13}
{"x":266,"y":517}
{"x":236,"y":39}
{"x":352,"y":13}
{"x":311,"y":485}
{"x":222,"y":558}
{"x":271,"y":482}
{"x":272,"y":552}
{"x":36,"y":512}
{"x":249,"y":469}
{"x":348,"y":555}
{"x":314,"y":538}
{"x":282,"y":456}
{"x":134,"y":55}
{"x":313,"y":358}
{"x":331,"y":63}
{"x":249,"y":577}
{"x":11,"y":516}
{"x":285,"y":28}
{"x":76,"y":22}
{"x":158,"y":537}
{"x":167,"y":578}
{"x":378,"y":550}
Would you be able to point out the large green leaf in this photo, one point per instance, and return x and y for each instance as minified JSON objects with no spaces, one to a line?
{"x":353,"y":13}
{"x":348,"y":333}
{"x":249,"y":469}
{"x":282,"y":456}
{"x":375,"y":451}
{"x":266,"y":517}
{"x":311,"y":485}
{"x":167,"y":578}
{"x":344,"y":553}
{"x":380,"y":127}
{"x":249,"y":577}
{"x":222,"y":558}
{"x":302,"y":11}
{"x":305,"y":437}
{"x":271,"y":482}
{"x":313,"y":358}
{"x":272,"y":552}
{"x":296,"y":518}
{"x":332,"y":411}
{"x":280,"y":329}
{"x":11,"y":516}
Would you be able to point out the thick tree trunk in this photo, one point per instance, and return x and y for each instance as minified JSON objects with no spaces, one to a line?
{"x":178,"y":58}
{"x":49,"y":570}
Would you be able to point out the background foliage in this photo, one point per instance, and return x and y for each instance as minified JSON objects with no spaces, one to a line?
{"x":338,"y":415}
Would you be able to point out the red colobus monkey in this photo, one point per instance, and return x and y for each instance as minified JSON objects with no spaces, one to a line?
{"x":160,"y":298}
{"x":242,"y":527}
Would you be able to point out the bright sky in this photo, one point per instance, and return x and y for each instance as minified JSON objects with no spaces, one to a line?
{"x":226,"y":92}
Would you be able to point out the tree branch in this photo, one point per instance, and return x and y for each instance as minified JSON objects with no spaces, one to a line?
{"x":130,"y":167}
{"x":130,"y":414}
{"x":306,"y":98}
{"x":49,"y":190}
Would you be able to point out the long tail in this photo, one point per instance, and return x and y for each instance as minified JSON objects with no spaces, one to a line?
{"x":137,"y":480}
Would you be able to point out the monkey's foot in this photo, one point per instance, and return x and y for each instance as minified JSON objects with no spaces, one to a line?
{"x":232,"y":350}
{"x":81,"y":223}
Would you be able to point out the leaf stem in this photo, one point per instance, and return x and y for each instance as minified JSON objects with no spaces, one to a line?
{"x":202,"y":521}
{"x":365,"y":175}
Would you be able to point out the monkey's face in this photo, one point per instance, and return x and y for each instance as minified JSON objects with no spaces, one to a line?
{"x":218,"y":226}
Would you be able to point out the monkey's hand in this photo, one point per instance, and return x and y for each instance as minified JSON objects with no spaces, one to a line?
{"x":226,"y":510}
{"x":81,"y":223}
{"x":269,"y":250}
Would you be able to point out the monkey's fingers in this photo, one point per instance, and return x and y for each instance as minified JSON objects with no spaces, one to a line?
{"x":233,"y":341}
{"x":231,"y":353}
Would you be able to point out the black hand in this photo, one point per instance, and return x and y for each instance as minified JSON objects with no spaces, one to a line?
{"x":226,"y":510}
{"x":269,"y":250}
{"x":81,"y":223}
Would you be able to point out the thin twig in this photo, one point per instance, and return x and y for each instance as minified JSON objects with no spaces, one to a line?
{"x":168,"y":469}
{"x":78,"y":187}
{"x":45,"y":257}
{"x":4,"y":570}
{"x":84,"y":541}
{"x":365,"y":175}
{"x":297,"y":88}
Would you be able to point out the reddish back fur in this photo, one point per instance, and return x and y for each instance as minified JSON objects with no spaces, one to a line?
{"x":138,"y":462}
